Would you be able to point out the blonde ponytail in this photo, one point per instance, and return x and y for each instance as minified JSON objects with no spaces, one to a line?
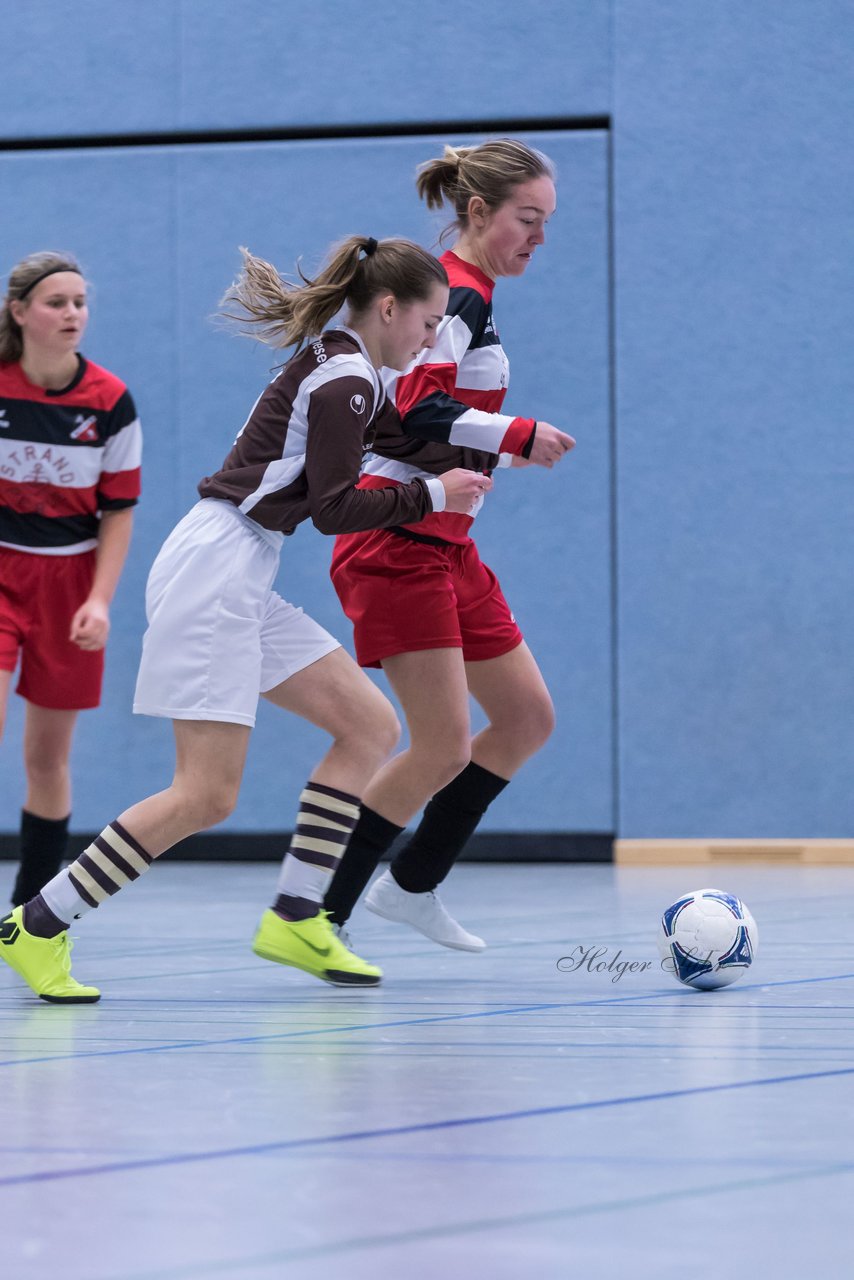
{"x":283,"y":313}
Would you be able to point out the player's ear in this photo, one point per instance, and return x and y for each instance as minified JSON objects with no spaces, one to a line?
{"x":478,"y":211}
{"x":386,"y":305}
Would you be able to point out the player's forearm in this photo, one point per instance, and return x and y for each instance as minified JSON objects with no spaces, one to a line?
{"x":113,"y":543}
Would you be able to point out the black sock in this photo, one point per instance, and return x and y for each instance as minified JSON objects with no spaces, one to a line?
{"x":40,"y":921}
{"x":43,"y":846}
{"x":372,"y":836}
{"x":448,"y":823}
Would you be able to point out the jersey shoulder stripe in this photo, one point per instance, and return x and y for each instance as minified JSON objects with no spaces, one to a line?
{"x":466,"y":275}
{"x":466,"y":305}
{"x":94,"y":388}
{"x":100,"y":389}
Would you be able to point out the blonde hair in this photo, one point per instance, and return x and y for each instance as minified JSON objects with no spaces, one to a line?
{"x":491,"y":170}
{"x":357,"y":270}
{"x":22,"y":277}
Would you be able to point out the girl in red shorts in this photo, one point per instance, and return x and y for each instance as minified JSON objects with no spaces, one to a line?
{"x":70,"y":448}
{"x":423,"y":605}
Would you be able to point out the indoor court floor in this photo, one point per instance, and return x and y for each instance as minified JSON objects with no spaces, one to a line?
{"x":486,"y":1115}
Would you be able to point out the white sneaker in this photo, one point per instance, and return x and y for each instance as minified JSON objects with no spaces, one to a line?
{"x":424,"y":911}
{"x":340,"y":931}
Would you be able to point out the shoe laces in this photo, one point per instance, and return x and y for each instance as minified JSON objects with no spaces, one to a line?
{"x":62,"y":945}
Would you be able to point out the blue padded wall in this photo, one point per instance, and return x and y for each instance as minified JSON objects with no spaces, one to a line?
{"x":158,"y":231}
{"x":116,"y":211}
{"x":734,"y":188}
{"x":733,"y":181}
{"x":101,"y":67}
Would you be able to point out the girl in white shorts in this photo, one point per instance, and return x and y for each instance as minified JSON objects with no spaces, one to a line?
{"x":219,"y":636}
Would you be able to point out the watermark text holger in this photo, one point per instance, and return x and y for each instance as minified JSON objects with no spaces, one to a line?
{"x":595,"y":960}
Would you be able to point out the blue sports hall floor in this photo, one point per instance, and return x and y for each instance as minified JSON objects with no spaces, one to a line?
{"x":476,"y":1116}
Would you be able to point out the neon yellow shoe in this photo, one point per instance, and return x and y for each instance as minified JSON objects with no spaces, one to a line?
{"x":43,"y":963}
{"x":312,"y":945}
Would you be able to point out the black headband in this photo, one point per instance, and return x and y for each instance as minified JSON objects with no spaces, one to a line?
{"x":51,"y":271}
{"x":370,"y":248}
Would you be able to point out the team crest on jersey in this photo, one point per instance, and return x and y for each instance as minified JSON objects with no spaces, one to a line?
{"x":85,"y":429}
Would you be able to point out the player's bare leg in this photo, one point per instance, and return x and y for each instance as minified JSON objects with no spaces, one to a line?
{"x":431,"y":686}
{"x":5,"y":687}
{"x":512,"y":692}
{"x":48,"y":734}
{"x":336,"y":695}
{"x":209,"y":759}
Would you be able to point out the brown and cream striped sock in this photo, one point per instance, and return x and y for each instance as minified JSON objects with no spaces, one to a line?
{"x":110,"y":862}
{"x":325,"y":823}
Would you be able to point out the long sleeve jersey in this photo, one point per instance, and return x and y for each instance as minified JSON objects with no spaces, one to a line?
{"x":299,"y":453}
{"x":66,"y":456}
{"x":449,"y":403}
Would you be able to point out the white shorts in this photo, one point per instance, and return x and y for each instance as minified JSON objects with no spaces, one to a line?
{"x":218,"y":635}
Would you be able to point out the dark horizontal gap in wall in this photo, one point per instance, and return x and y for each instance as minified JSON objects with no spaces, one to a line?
{"x":269,"y":846}
{"x":539,"y":124}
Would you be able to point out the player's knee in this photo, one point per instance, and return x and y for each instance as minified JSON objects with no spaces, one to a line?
{"x":455,"y":765}
{"x":210,"y":806}
{"x":532,"y":724}
{"x":382,"y":729}
{"x":370,"y":725}
{"x":448,"y":759}
{"x":388,"y":735}
{"x":541,"y":721}
{"x":221,"y":805}
{"x":43,"y":768}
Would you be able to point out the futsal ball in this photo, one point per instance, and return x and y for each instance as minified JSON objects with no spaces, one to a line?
{"x":707,"y":939}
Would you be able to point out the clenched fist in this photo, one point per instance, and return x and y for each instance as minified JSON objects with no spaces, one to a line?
{"x":90,"y":626}
{"x":549,"y":445}
{"x":464,"y":489}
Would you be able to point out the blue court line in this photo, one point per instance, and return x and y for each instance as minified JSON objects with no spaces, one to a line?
{"x":689,"y":1051}
{"x":678,"y":992}
{"x":484,"y":1226}
{"x":431,"y":1126}
{"x":456,"y":981}
{"x":274,"y":1038}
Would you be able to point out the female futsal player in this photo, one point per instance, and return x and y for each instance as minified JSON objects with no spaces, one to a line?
{"x":219,"y":636}
{"x":70,"y":446}
{"x":423,"y":605}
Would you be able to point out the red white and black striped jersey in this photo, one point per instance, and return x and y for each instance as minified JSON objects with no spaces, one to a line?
{"x":65,"y":456}
{"x":449,"y":402}
{"x":299,"y":453}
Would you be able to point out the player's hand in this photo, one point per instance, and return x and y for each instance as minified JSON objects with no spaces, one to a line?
{"x":549,"y":445}
{"x":90,"y":626}
{"x":463,"y":489}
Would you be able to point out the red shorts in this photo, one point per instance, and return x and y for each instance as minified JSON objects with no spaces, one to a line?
{"x":404,"y":596}
{"x":39,"y":596}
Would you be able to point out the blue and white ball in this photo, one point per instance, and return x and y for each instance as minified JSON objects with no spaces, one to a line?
{"x":707,"y":939}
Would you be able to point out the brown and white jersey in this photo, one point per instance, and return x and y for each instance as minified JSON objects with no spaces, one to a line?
{"x":299,"y":454}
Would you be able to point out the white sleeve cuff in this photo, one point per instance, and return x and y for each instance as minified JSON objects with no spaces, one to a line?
{"x":505,"y":460}
{"x":437,"y":493}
